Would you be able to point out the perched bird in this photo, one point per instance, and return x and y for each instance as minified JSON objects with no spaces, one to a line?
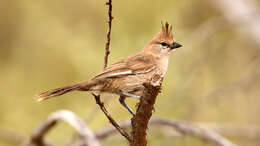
{"x":126,"y":77}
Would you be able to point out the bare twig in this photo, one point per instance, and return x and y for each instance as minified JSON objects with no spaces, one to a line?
{"x":110,"y":17}
{"x":97,"y":97}
{"x":144,"y":112}
{"x":37,"y":137}
{"x":180,"y":126}
{"x":111,"y":120}
{"x":94,"y":111}
{"x":109,"y":130}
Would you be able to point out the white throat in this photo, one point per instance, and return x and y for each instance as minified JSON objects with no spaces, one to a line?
{"x":163,"y":61}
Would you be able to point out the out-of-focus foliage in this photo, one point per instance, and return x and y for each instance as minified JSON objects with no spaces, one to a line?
{"x":44,"y":44}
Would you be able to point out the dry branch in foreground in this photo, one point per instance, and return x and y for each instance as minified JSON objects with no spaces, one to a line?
{"x":85,"y":134}
{"x":182,"y":127}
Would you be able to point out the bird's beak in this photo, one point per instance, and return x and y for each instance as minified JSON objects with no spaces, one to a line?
{"x":175,"y":45}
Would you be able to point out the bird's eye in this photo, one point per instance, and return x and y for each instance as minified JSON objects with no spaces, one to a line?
{"x":164,"y":44}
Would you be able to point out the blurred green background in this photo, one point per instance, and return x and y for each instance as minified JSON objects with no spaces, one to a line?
{"x":44,"y":44}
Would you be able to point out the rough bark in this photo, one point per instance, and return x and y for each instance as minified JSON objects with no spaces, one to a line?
{"x":144,"y":112}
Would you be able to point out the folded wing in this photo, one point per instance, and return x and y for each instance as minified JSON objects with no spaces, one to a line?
{"x":136,"y":64}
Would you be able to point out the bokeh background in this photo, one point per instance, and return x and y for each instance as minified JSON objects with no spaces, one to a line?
{"x":213,"y":79}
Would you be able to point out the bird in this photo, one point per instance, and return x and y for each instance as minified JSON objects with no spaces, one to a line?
{"x":126,"y":77}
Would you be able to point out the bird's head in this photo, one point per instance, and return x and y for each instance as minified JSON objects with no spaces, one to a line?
{"x":162,"y":43}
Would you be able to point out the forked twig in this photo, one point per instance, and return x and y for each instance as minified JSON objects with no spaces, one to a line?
{"x":97,"y":97}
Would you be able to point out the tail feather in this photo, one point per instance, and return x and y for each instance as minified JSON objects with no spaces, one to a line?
{"x":56,"y":92}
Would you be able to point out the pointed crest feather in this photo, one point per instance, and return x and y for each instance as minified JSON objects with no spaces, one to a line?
{"x":166,"y":30}
{"x":165,"y":34}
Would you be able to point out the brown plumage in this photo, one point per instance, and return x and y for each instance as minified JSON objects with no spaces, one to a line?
{"x":126,"y":77}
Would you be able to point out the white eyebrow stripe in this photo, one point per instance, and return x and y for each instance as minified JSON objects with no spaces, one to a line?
{"x":121,"y":73}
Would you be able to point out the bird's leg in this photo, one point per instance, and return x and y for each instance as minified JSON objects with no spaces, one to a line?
{"x":122,"y":101}
{"x":129,"y":94}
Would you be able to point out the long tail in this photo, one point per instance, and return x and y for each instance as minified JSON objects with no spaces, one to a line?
{"x":57,"y":92}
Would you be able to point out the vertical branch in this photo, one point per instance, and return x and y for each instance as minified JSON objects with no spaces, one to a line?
{"x":97,"y":97}
{"x":144,"y":112}
{"x":110,"y":17}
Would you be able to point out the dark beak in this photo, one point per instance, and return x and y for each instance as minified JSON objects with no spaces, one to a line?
{"x":175,"y":45}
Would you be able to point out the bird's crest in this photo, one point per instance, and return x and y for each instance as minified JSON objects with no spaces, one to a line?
{"x":165,"y":35}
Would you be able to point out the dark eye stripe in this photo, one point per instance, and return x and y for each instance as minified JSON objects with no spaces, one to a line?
{"x":164,"y":44}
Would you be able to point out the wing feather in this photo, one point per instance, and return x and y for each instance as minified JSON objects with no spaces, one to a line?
{"x":136,"y":64}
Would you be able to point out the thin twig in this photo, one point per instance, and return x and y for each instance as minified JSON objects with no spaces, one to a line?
{"x":93,"y":113}
{"x":97,"y":97}
{"x":107,"y":52}
{"x":111,"y":120}
{"x":107,"y":131}
{"x":110,"y":17}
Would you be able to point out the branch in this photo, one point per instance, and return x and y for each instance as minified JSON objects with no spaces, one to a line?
{"x":111,"y":120}
{"x":97,"y":97}
{"x":193,"y":130}
{"x":37,"y":137}
{"x":109,"y":130}
{"x":144,"y":112}
{"x":110,"y":17}
{"x":248,"y":132}
{"x":180,"y":126}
